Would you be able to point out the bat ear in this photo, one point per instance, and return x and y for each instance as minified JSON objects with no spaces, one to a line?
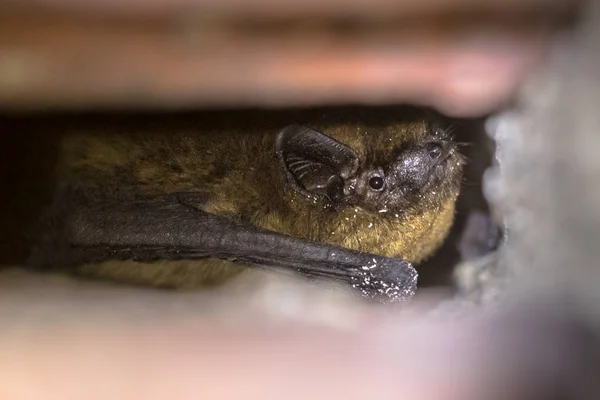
{"x":314,"y":163}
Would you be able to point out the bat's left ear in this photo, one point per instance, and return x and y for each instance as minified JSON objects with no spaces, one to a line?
{"x":314,"y":163}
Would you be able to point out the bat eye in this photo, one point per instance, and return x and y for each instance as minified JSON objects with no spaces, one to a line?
{"x":376,"y":183}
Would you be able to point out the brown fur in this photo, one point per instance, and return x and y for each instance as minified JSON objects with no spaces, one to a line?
{"x":240,"y":172}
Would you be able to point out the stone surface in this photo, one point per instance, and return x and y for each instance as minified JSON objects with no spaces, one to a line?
{"x":546,"y":182}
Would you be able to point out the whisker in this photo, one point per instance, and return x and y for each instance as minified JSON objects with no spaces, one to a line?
{"x":464,"y":144}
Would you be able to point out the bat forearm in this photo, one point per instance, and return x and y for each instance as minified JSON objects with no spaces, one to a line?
{"x":96,"y":230}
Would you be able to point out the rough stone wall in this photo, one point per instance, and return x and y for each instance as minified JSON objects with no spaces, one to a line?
{"x":546,"y":182}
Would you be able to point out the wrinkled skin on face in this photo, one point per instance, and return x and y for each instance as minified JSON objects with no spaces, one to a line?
{"x":420,"y":170}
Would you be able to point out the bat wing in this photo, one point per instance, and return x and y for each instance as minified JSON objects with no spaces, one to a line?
{"x":83,"y":228}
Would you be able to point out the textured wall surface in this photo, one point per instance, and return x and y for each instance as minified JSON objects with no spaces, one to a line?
{"x":76,"y":54}
{"x":546,"y":184}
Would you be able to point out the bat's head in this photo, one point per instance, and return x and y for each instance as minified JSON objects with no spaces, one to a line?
{"x":423,"y":171}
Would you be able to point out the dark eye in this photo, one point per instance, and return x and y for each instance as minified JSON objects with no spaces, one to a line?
{"x":376,"y":183}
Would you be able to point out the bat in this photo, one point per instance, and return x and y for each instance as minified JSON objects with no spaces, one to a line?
{"x":353,"y":202}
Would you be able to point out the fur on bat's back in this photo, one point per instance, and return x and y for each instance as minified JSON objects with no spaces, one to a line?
{"x":242,"y":178}
{"x":153,"y":164}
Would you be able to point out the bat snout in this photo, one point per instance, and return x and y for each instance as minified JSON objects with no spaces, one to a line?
{"x":416,"y":166}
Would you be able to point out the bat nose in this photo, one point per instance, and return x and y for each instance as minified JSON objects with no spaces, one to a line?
{"x":415,"y":166}
{"x":434,"y":150}
{"x":437,"y":151}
